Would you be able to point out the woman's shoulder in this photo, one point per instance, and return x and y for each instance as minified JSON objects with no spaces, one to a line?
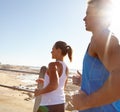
{"x":54,"y":65}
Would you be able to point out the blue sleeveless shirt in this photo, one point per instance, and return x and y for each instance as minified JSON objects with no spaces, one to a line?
{"x":94,"y":74}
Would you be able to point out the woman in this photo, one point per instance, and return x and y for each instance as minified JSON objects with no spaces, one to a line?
{"x":53,"y":97}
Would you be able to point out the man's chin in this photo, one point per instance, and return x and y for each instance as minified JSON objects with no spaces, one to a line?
{"x":87,"y":29}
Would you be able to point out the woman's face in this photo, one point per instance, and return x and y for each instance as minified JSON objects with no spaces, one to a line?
{"x":55,"y":52}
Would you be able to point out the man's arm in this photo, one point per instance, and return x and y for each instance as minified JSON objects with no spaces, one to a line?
{"x":110,"y":91}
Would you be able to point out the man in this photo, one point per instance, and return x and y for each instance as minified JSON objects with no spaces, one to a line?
{"x":100,"y":90}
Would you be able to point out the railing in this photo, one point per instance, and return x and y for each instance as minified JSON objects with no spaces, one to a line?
{"x":16,"y":87}
{"x":21,"y":71}
{"x":18,"y":71}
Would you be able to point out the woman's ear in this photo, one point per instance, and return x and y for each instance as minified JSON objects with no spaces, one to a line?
{"x":59,"y":51}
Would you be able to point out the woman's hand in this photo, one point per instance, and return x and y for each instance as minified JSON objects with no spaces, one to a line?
{"x":37,"y":92}
{"x":40,"y":80}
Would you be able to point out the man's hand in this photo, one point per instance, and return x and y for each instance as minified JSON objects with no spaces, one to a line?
{"x":76,"y":79}
{"x":79,"y":100}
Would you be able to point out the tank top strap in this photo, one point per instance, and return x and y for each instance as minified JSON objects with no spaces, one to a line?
{"x":64,"y":67}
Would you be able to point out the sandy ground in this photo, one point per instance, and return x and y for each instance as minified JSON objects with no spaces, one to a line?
{"x":18,"y":101}
{"x":13,"y":100}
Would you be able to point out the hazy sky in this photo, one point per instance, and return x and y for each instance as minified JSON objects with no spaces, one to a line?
{"x":29,"y":28}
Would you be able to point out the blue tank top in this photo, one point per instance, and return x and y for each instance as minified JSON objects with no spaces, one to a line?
{"x":94,"y":74}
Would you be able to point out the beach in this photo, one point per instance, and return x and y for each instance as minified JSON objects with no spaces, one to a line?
{"x":13,"y":100}
{"x":22,"y":101}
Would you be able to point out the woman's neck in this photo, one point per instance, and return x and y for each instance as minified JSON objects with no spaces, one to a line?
{"x":59,"y":60}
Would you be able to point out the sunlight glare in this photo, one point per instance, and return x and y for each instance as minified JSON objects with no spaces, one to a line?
{"x":115,"y":18}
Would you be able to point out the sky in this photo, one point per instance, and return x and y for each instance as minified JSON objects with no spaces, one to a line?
{"x":29,"y":29}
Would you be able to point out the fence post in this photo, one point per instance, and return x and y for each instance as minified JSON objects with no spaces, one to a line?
{"x":39,"y":86}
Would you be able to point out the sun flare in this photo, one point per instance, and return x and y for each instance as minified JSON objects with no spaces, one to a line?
{"x":115,"y":18}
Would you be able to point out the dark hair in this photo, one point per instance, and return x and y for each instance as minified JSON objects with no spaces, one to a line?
{"x":66,"y":49}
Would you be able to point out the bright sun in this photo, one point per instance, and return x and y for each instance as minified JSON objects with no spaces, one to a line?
{"x":115,"y":25}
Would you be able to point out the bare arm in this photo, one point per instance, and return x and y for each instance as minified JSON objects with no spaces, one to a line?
{"x":110,"y":91}
{"x":54,"y":80}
